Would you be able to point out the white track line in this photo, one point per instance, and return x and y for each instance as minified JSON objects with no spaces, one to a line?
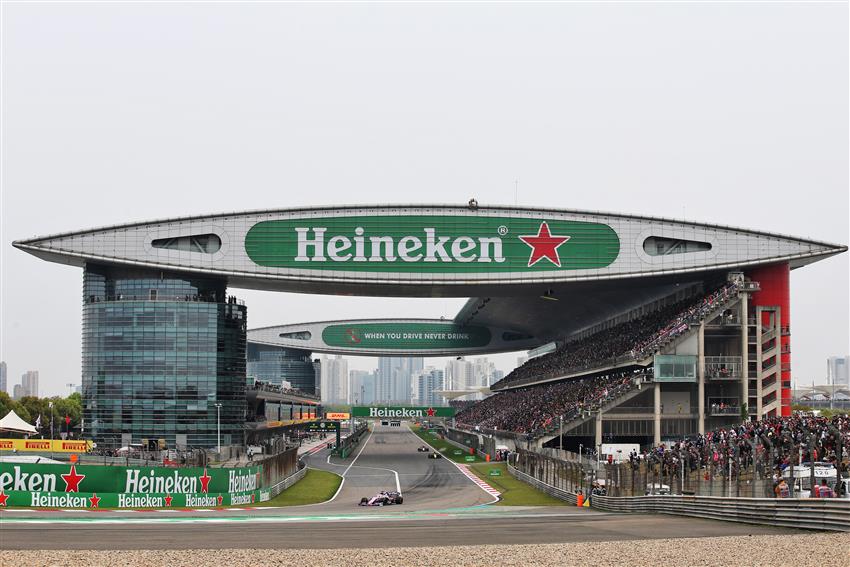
{"x":397,"y":483}
{"x":467,"y":473}
{"x":338,"y":490}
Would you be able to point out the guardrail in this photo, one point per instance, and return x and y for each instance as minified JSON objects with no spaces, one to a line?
{"x":813,"y":514}
{"x":543,"y":487}
{"x":288,"y":481}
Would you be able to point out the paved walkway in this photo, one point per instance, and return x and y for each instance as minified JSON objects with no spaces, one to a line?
{"x":307,"y":447}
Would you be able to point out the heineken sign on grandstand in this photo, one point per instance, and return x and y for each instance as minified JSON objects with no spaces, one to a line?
{"x":402,"y":412}
{"x":405,"y":336}
{"x":92,"y":486}
{"x":431,"y":244}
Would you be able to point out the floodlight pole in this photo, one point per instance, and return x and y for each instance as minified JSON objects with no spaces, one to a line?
{"x":50,"y":405}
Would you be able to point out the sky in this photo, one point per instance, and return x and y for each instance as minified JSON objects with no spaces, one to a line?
{"x":730,"y":113}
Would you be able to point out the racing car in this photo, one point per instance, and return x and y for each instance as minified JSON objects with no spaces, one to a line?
{"x":435,"y":455}
{"x":423,"y":449}
{"x":383,"y":498}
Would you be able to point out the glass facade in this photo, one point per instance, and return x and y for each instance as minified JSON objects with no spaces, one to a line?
{"x":160,"y":350}
{"x":276,"y":364}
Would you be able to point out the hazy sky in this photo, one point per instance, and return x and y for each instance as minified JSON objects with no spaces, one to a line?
{"x":726,"y":113}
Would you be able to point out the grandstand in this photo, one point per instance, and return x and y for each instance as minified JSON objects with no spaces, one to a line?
{"x":604,"y":384}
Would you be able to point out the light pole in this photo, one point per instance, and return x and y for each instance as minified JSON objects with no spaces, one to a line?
{"x":580,"y":448}
{"x":218,"y":427}
{"x":50,"y":405}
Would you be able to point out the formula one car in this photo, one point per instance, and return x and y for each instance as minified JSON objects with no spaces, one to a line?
{"x":435,"y":455}
{"x":423,"y":449}
{"x":383,"y":498}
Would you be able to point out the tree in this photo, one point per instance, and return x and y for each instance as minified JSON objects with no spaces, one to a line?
{"x":7,"y":404}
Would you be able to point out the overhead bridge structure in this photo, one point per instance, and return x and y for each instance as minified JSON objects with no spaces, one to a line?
{"x":164,"y":345}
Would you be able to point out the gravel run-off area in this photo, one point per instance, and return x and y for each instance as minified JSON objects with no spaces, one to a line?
{"x":815,"y":549}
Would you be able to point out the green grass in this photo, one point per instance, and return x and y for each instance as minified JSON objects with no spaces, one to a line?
{"x":316,"y":486}
{"x":444,"y":447}
{"x":514,"y":492}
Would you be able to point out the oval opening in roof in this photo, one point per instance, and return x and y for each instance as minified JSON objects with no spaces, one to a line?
{"x":203,"y":243}
{"x":661,"y":246}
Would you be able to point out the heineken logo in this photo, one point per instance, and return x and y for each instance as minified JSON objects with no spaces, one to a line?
{"x":436,"y":243}
{"x":401,"y":412}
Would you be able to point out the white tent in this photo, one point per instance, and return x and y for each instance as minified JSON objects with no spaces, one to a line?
{"x":14,"y":423}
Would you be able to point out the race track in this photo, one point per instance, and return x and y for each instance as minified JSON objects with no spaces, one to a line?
{"x":441,"y":507}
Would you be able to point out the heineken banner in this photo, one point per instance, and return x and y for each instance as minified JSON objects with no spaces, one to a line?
{"x":406,"y":336}
{"x":432,"y":244}
{"x":135,"y":500}
{"x":27,"y":484}
{"x":402,"y":412}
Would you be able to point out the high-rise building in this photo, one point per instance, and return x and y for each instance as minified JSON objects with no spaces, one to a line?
{"x":838,"y":370}
{"x":395,"y":378}
{"x":335,"y":387}
{"x":161,"y":351}
{"x":3,"y":384}
{"x":458,"y":374}
{"x":426,"y":382}
{"x":17,"y":392}
{"x":29,"y":383}
{"x":362,"y":387}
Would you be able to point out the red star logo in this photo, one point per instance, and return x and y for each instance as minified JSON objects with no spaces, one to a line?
{"x":94,"y":500}
{"x":73,"y":480}
{"x":205,"y":482}
{"x":3,"y":498}
{"x":168,"y":500}
{"x":544,"y":245}
{"x":431,"y":412}
{"x":220,"y":499}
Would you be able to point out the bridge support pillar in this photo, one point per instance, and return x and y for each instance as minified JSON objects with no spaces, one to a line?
{"x":701,"y":376}
{"x":598,"y":429}
{"x":657,"y":413}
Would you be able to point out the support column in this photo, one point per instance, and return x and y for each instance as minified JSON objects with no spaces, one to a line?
{"x":701,"y":378}
{"x":745,"y":354}
{"x":657,"y":428}
{"x":598,"y":429}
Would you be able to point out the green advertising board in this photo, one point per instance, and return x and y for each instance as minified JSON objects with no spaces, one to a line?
{"x":494,"y":472}
{"x":469,"y":459}
{"x":405,"y":336}
{"x":65,"y":485}
{"x":431,"y":244}
{"x":401,"y":412}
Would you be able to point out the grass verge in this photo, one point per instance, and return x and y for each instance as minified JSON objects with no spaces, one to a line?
{"x":514,"y":492}
{"x":447,"y":449}
{"x":316,"y":486}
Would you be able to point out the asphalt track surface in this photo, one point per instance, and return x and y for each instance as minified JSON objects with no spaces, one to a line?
{"x":441,"y":507}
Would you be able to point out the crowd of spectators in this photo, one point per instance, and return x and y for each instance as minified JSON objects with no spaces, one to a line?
{"x":537,"y":409}
{"x":635,"y":339}
{"x":769,"y":446}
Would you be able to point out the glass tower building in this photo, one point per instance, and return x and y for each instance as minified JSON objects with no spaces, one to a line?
{"x":277,"y":364}
{"x":160,"y":351}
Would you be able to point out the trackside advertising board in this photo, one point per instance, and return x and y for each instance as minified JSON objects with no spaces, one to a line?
{"x":92,"y":486}
{"x":402,"y":412}
{"x":57,"y":445}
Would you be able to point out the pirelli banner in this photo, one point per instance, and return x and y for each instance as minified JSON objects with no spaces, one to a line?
{"x":95,"y":486}
{"x":56,"y":446}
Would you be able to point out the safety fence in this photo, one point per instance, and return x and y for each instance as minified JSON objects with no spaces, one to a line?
{"x":565,"y":480}
{"x":348,"y":443}
{"x":793,"y":512}
{"x":278,"y":467}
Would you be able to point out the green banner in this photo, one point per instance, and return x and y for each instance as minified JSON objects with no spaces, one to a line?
{"x":405,"y":336}
{"x":120,"y":479}
{"x":432,"y":244}
{"x":402,"y":412}
{"x":135,"y":501}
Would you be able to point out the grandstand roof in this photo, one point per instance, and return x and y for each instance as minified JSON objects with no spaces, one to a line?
{"x":542,"y":272}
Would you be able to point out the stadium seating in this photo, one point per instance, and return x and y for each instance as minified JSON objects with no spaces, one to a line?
{"x":631,"y":340}
{"x":537,"y":409}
